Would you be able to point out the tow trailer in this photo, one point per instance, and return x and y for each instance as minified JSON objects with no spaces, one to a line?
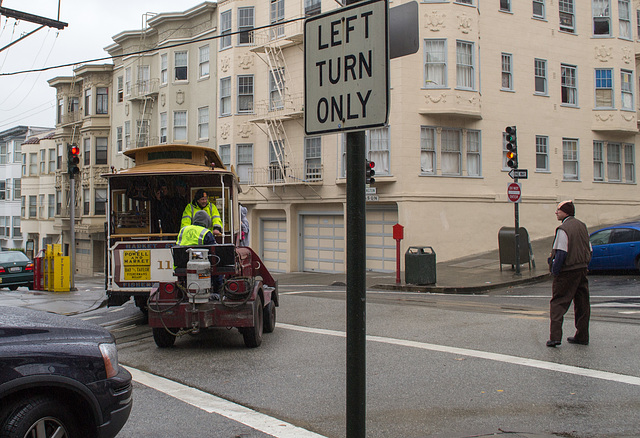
{"x":242,"y":295}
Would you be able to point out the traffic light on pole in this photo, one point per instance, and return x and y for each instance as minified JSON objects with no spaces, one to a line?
{"x":512,"y":147}
{"x":370,"y":172}
{"x":73,"y":159}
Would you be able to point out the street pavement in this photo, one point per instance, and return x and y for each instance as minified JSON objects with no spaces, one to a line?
{"x":472,"y":274}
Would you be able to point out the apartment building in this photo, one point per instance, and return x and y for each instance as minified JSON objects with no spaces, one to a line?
{"x":229,"y":75}
{"x":14,"y":164}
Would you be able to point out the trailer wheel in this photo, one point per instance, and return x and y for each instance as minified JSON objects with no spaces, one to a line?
{"x":163,"y":338}
{"x":253,"y":335}
{"x":270,"y":317}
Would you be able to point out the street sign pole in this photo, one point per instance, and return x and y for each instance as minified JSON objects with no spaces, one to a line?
{"x":356,"y":286}
{"x":516,"y":213}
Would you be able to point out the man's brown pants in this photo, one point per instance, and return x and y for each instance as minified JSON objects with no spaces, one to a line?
{"x":570,"y":286}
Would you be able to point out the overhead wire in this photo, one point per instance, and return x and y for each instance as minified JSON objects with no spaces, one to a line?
{"x":34,"y":82}
{"x":155,"y":49}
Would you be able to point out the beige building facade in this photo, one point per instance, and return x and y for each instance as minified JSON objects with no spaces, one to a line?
{"x":229,"y":75}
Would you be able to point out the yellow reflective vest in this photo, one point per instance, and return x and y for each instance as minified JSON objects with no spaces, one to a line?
{"x":210,"y":209}
{"x":195,"y":235}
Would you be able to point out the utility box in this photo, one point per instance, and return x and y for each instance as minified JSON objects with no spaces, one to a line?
{"x":507,"y":246}
{"x":420,"y":265}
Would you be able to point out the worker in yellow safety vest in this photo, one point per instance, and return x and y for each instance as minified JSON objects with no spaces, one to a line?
{"x":201,"y":203}
{"x":198,"y":232}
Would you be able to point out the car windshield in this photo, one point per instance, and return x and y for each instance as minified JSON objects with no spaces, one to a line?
{"x":13,"y":256}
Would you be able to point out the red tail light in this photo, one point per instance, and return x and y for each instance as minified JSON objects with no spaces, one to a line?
{"x":2,"y":271}
{"x":29,"y":267}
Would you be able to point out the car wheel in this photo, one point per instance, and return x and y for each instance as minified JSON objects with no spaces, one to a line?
{"x":14,"y":287}
{"x":163,"y":338}
{"x":270,"y":317}
{"x":638,"y":263}
{"x":40,"y":417}
{"x":253,"y":335}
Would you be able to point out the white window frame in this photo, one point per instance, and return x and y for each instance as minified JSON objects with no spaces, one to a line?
{"x":127,"y":134}
{"x":180,"y":65}
{"x":465,"y":65}
{"x":567,"y":13}
{"x":203,"y":64}
{"x":428,"y":150}
{"x":598,"y":160}
{"x":624,"y":19}
{"x":119,"y":138}
{"x":225,"y":29}
{"x":225,"y":154}
{"x":180,"y":124}
{"x":570,"y":159}
{"x":313,"y":158}
{"x":244,"y":162}
{"x":629,"y":154}
{"x":127,"y":81}
{"x":603,"y":93}
{"x":163,"y":127}
{"x":435,"y":63}
{"x":569,"y":85}
{"x":601,"y":18}
{"x":245,"y":84}
{"x":246,"y":23}
{"x":276,"y":15}
{"x":541,"y":9}
{"x":540,"y":76}
{"x":473,"y":149}
{"x":626,"y":90}
{"x":507,"y":72}
{"x":542,"y":153}
{"x":203,"y":123}
{"x":276,"y":89}
{"x":225,"y":96}
{"x":102,"y":100}
{"x":164,"y":69}
{"x":378,"y":144}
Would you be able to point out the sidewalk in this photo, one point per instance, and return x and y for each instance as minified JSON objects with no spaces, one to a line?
{"x":473,"y":274}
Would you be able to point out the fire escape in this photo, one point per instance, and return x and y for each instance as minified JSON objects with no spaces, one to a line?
{"x":284,"y":104}
{"x":144,"y":93}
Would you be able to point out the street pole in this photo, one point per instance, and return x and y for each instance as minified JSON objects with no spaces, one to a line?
{"x":516,"y":213}
{"x":72,"y":230}
{"x":356,"y":286}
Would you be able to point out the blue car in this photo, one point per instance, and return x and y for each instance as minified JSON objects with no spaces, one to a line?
{"x":616,"y":247}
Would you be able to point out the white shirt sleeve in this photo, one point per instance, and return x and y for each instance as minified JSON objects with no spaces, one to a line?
{"x":561,"y":242}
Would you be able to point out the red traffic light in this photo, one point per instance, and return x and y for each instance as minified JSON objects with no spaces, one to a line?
{"x":75,"y":150}
{"x":371,"y":164}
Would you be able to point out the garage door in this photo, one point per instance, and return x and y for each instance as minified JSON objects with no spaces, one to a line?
{"x":274,"y":244}
{"x":381,"y":248}
{"x":323,"y":243}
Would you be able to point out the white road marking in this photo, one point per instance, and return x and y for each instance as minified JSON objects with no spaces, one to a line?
{"x":100,"y":316}
{"x":216,"y":405}
{"x":120,"y":309}
{"x":523,"y":361}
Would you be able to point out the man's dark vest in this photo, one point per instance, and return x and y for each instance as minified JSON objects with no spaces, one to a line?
{"x":579,"y":252}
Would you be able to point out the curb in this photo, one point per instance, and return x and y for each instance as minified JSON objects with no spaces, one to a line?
{"x":461,"y":290}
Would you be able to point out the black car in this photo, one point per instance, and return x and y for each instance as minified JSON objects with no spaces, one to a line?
{"x":16,"y":269}
{"x":59,"y":377}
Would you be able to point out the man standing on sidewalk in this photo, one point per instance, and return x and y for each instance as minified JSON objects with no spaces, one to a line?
{"x":568,"y":263}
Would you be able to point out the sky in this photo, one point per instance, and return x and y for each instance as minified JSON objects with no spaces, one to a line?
{"x":27,"y":99}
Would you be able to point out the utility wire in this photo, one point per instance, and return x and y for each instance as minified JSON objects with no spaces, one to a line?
{"x":280,"y":23}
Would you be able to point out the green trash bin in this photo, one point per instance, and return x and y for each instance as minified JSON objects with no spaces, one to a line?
{"x":420,"y":265}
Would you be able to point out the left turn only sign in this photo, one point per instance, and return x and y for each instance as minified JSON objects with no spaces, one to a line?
{"x":346,"y":68}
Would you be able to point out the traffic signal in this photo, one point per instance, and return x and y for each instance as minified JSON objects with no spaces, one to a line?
{"x":370,"y":172}
{"x":73,"y":160}
{"x":512,"y":147}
